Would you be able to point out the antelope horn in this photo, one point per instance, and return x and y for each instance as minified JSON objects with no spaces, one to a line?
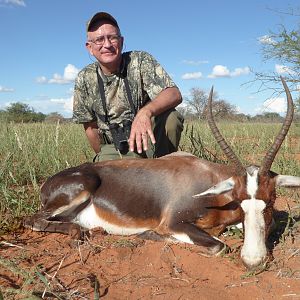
{"x":270,"y":156}
{"x":240,"y":169}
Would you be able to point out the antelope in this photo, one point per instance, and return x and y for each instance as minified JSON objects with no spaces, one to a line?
{"x":178,"y":196}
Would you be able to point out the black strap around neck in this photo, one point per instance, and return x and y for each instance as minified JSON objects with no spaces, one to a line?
{"x":103,"y":98}
{"x":129,"y":96}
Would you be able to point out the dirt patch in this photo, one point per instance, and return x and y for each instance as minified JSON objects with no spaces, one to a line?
{"x":54,"y":266}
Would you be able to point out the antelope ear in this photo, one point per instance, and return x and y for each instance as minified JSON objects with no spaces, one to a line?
{"x":287,"y":181}
{"x":220,"y":188}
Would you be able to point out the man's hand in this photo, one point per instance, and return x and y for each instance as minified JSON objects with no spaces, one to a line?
{"x":141,"y":129}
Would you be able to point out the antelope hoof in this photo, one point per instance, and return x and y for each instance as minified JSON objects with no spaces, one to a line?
{"x":213,"y":251}
{"x":253,"y":262}
{"x":35,"y":224}
{"x":224,"y":250}
{"x":76,"y":232}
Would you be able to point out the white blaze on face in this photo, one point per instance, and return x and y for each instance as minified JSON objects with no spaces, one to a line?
{"x":254,"y":249}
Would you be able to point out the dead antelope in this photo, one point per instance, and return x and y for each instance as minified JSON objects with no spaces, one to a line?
{"x":178,"y":196}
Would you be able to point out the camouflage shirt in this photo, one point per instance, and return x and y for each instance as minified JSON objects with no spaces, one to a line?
{"x":146,"y":79}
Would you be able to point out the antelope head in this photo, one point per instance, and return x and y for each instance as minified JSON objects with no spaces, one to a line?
{"x":254,"y":188}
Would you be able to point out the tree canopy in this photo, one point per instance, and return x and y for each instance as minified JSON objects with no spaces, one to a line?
{"x":21,"y":113}
{"x":283,"y":47}
{"x":196,"y":105}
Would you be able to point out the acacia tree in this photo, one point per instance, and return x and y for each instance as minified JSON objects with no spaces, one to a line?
{"x":197,"y":105}
{"x":54,"y":117}
{"x":223,"y":109}
{"x":20,"y":112}
{"x":282,"y":46}
{"x":197,"y":102}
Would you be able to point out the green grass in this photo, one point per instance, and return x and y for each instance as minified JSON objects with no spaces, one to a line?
{"x":249,"y":141}
{"x":29,"y":153}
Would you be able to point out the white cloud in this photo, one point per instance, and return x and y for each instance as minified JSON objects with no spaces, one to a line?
{"x":277,"y":105}
{"x":281,"y":69}
{"x":266,"y":40}
{"x":195,"y":62}
{"x":240,"y":71}
{"x":63,"y":106}
{"x":222,"y":71}
{"x":69,"y":76}
{"x":70,"y":73}
{"x":14,"y":2}
{"x":68,"y":106}
{"x":66,"y":103}
{"x":57,"y":78}
{"x":41,"y":79}
{"x":219,"y":71}
{"x":5,"y":90}
{"x":189,"y":76}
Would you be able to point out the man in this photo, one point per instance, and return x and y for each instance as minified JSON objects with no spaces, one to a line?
{"x":120,"y":87}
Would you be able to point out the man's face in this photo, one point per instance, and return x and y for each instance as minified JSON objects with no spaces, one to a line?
{"x":105,"y":44}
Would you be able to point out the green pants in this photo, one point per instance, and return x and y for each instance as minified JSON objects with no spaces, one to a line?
{"x":167,"y":128}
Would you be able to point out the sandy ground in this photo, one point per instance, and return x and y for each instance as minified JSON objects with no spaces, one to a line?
{"x":116,"y":267}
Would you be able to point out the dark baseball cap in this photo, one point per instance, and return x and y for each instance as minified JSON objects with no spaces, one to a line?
{"x":101,"y":16}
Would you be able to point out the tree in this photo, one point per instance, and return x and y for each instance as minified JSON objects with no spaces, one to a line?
{"x":54,"y":117}
{"x":197,"y":104}
{"x":297,"y":105}
{"x":19,"y":108}
{"x":283,"y":47}
{"x":223,"y":109}
{"x":186,"y":112}
{"x":268,"y":117}
{"x":272,"y":117}
{"x":240,"y":117}
{"x":20,"y":112}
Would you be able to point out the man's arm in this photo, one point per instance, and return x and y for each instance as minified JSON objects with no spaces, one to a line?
{"x":91,"y":131}
{"x":142,"y":127}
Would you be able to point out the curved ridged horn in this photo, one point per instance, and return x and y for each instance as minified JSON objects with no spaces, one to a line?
{"x":270,"y":156}
{"x":240,"y":169}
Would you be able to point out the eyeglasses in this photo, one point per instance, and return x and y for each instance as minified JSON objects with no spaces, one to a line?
{"x":100,"y":40}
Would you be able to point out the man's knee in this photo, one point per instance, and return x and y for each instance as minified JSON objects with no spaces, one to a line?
{"x":174,"y":123}
{"x":109,"y":152}
{"x":167,"y":130}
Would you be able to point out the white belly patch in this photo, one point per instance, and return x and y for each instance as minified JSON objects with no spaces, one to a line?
{"x":183,"y":238}
{"x":88,"y":218}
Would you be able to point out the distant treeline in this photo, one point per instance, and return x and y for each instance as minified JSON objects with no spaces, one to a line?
{"x":22,"y":113}
{"x":233,"y":115}
{"x":267,"y":117}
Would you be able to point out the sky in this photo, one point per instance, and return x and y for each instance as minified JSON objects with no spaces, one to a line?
{"x":199,"y":43}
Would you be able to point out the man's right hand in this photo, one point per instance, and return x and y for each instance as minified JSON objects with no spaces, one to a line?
{"x":141,"y":129}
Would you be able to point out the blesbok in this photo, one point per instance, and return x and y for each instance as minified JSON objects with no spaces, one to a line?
{"x":178,"y":196}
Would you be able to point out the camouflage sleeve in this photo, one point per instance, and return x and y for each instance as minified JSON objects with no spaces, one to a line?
{"x":155,"y":78}
{"x":82,"y":112}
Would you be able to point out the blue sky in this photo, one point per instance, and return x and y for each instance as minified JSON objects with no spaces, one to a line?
{"x":200,"y":44}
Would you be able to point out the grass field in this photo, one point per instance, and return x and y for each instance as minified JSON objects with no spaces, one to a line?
{"x":29,"y":153}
